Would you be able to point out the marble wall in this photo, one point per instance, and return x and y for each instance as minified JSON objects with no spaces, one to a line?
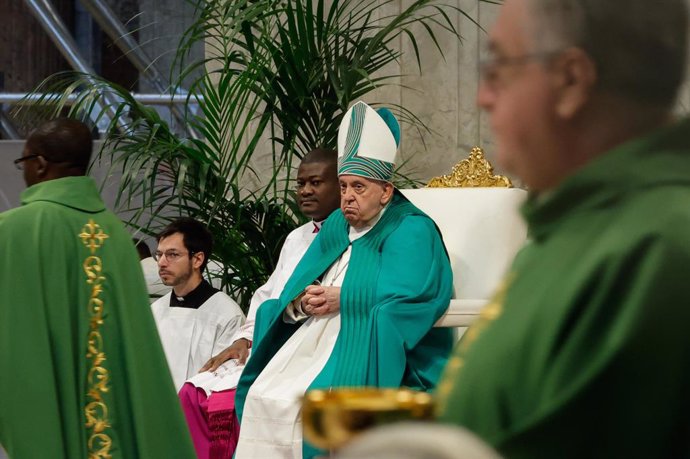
{"x":444,"y":95}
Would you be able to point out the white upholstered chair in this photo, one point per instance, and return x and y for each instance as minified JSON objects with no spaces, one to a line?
{"x":478,"y":215}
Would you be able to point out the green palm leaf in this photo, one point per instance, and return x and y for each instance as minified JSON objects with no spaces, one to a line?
{"x":279,"y":70}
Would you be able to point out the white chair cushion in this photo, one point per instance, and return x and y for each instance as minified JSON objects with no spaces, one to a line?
{"x":482,"y":230}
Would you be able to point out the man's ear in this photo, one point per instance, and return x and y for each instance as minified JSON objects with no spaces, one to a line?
{"x":387,"y":195}
{"x":576,"y":77}
{"x":198,"y":260}
{"x":42,"y":169}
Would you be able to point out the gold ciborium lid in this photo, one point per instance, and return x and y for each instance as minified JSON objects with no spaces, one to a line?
{"x":332,"y":418}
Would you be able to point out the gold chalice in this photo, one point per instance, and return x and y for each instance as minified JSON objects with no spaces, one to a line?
{"x":333,"y":418}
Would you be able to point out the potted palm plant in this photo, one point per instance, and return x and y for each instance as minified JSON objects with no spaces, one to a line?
{"x":276,"y":78}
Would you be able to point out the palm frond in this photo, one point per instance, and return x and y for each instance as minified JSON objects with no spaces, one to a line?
{"x":278,"y":70}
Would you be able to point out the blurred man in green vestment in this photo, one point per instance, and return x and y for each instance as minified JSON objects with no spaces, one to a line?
{"x":83,"y":371}
{"x":585,"y":349}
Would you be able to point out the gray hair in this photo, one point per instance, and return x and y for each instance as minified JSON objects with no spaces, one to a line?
{"x":638,"y":46}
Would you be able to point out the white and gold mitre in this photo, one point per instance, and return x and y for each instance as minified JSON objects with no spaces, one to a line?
{"x":368,"y":142}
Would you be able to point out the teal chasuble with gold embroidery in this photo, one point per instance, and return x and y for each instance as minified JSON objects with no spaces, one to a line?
{"x":82,"y":371}
{"x":586,"y":353}
{"x":397,"y":285}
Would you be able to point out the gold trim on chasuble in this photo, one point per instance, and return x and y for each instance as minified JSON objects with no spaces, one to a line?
{"x":475,"y":171}
{"x":487,"y":315}
{"x":96,"y":410}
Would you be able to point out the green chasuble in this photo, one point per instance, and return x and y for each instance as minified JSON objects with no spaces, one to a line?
{"x":82,"y":371}
{"x":585,"y":350}
{"x":396,"y":287}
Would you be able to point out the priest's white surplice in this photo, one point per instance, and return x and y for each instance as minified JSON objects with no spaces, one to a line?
{"x":192,"y":336}
{"x":296,"y":244}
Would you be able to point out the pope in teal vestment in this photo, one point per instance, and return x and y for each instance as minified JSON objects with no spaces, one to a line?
{"x":82,"y":371}
{"x":585,"y":351}
{"x":397,"y":285}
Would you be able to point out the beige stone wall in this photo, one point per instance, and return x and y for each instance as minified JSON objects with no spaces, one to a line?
{"x":443,"y":96}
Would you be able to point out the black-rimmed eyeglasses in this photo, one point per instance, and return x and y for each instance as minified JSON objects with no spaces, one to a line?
{"x":19,"y":162}
{"x":171,"y":255}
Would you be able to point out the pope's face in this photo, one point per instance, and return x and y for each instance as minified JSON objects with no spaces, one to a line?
{"x":362,"y":199}
{"x":175,"y":263}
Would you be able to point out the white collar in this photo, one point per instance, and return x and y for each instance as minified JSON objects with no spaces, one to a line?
{"x":355,"y":233}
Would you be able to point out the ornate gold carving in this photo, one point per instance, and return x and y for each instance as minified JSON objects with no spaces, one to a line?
{"x":96,"y":410}
{"x":475,"y":171}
